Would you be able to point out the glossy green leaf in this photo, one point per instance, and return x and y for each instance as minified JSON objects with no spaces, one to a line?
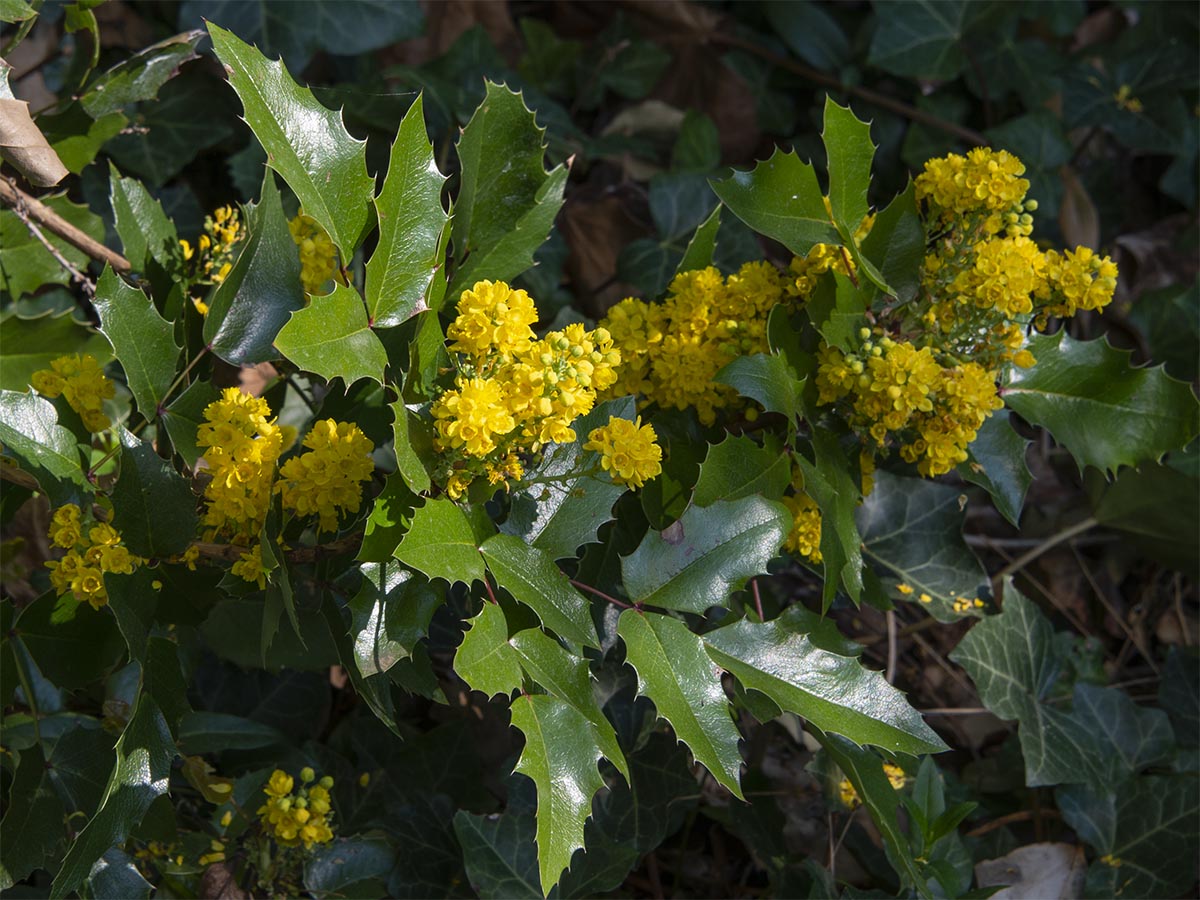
{"x":305,"y":142}
{"x":71,"y":654}
{"x":29,"y":428}
{"x":500,"y":855}
{"x":766,"y":378}
{"x":484,"y":659}
{"x":440,"y":543}
{"x":566,"y":676}
{"x":836,"y":309}
{"x":115,"y":876}
{"x":703,"y":246}
{"x":674,"y":671}
{"x":833,"y":692}
{"x":532,"y":577}
{"x":333,"y":338}
{"x":183,"y":417}
{"x":32,"y":825}
{"x":413,"y":443}
{"x":16,"y":11}
{"x":738,"y":467}
{"x":262,"y":290}
{"x":139,"y":76}
{"x":390,"y":615}
{"x":912,"y":534}
{"x":1105,"y":412}
{"x":1157,"y":510}
{"x":32,"y":344}
{"x":387,"y":523}
{"x":849,"y":151}
{"x":407,"y":272}
{"x":143,"y":341}
{"x":153,"y":506}
{"x":831,"y":483}
{"x":896,"y":244}
{"x":26,"y":265}
{"x":710,"y":552}
{"x":996,"y":462}
{"x":145,"y":231}
{"x":143,"y":768}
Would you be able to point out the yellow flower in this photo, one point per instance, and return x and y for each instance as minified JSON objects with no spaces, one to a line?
{"x":81,"y":381}
{"x":250,"y":567}
{"x":318,"y":256}
{"x":300,"y":817}
{"x":242,"y":446}
{"x":473,"y":416}
{"x":492,"y":318}
{"x":328,"y":479}
{"x":629,"y":451}
{"x":65,"y":531}
{"x":805,"y":536}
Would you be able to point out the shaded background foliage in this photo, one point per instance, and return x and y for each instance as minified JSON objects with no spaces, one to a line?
{"x":647,"y":100}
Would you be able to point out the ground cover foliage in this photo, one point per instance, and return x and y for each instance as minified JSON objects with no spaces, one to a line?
{"x":393,"y":552}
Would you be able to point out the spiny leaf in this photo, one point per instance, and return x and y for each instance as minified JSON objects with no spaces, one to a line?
{"x":676,"y":674}
{"x":703,"y":245}
{"x":32,"y":824}
{"x":1107,"y":413}
{"x":484,"y":659}
{"x":560,"y":756}
{"x":836,"y":310}
{"x":849,"y":151}
{"x":333,"y":338}
{"x":996,"y":462}
{"x":830,"y":483}
{"x":153,"y":506}
{"x":29,"y":427}
{"x":896,"y":244}
{"x":305,"y":142}
{"x":440,"y":543}
{"x":766,"y":378}
{"x":736,"y":468}
{"x":145,"y":231}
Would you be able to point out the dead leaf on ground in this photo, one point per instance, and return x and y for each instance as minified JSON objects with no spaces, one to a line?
{"x":219,"y":883}
{"x":596,"y":224}
{"x":1035,"y":872}
{"x":1078,"y":218}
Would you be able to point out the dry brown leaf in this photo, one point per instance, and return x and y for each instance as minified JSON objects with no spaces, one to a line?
{"x":219,"y":883}
{"x":23,"y":145}
{"x":1042,"y":871}
{"x":1077,"y":216}
{"x":596,"y":225}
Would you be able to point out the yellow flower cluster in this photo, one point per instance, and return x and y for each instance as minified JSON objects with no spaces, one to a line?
{"x":213,"y":254}
{"x":893,"y":388}
{"x":807,"y":270}
{"x":513,"y":393}
{"x":849,"y":796}
{"x":328,"y":479}
{"x":318,"y":256}
{"x":81,"y":571}
{"x":81,"y":381}
{"x":985,"y":183}
{"x":671,"y":351}
{"x":805,"y":536}
{"x":295,"y":817}
{"x":629,"y":451}
{"x":1082,"y":280}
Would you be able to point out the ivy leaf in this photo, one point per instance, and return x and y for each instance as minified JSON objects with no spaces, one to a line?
{"x":706,"y":555}
{"x":912,"y":533}
{"x":153,"y":506}
{"x":781,"y":199}
{"x":144,"y":342}
{"x":441,"y":544}
{"x":145,"y":231}
{"x":830,"y":483}
{"x":849,"y":151}
{"x":837,"y":310}
{"x":29,"y":427}
{"x":531,"y":576}
{"x":566,"y":676}
{"x":333,"y":338}
{"x":32,"y":825}
{"x":500,"y":855}
{"x":896,"y":244}
{"x":406,"y":274}
{"x":996,"y":462}
{"x":31,"y":345}
{"x":346,"y":862}
{"x":140,"y":76}
{"x":141,"y":774}
{"x":685,"y":686}
{"x":305,"y":142}
{"x":1130,"y":737}
{"x":737,"y":467}
{"x":263,"y":288}
{"x":26,"y":265}
{"x":765,"y":378}
{"x":834,"y":692}
{"x":502,"y":213}
{"x":184,"y":416}
{"x":1104,"y":411}
{"x":923,"y":39}
{"x":561,"y":756}
{"x":484,"y":659}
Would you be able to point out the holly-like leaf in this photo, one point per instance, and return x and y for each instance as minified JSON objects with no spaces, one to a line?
{"x":406,"y":274}
{"x":140,"y":76}
{"x":144,"y":342}
{"x":184,"y":416}
{"x":133,"y":599}
{"x":531,"y":576}
{"x":996,"y":462}
{"x":263,"y":288}
{"x":706,"y":555}
{"x":145,"y":231}
{"x":834,"y":692}
{"x":70,"y":654}
{"x":737,"y":467}
{"x":566,"y":676}
{"x":561,"y":756}
{"x":766,"y":378}
{"x":703,"y":245}
{"x":674,"y":671}
{"x":484,"y":659}
{"x":31,"y":344}
{"x":413,"y":443}
{"x":896,"y":244}
{"x":153,"y":506}
{"x":441,"y":544}
{"x":141,"y":774}
{"x":1107,"y":413}
{"x":849,"y":151}
{"x":836,"y":309}
{"x":305,"y":142}
{"x":835,"y":489}
{"x":348,"y":861}
{"x":29,"y":427}
{"x":781,"y":199}
{"x":115,"y":874}
{"x":32,"y":824}
{"x":333,"y":338}
{"x":912,"y":534}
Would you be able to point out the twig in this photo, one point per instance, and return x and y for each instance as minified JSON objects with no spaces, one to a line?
{"x":491,"y":594}
{"x":757,"y":599}
{"x":890,"y":675}
{"x":84,"y":282}
{"x":14,"y":197}
{"x":1050,"y":543}
{"x":1022,"y":815}
{"x":233,"y":552}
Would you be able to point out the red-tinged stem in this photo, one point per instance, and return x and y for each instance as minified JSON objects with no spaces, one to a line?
{"x":599,"y":593}
{"x":491,"y":594}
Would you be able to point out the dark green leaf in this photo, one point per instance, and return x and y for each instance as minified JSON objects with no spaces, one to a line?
{"x":406,"y":274}
{"x":531,"y":576}
{"x":836,"y":310}
{"x":25,"y":264}
{"x":305,"y":142}
{"x":835,"y":488}
{"x":29,"y":427}
{"x":347,"y":861}
{"x":144,"y":342}
{"x":115,"y":876}
{"x":921,"y":39}
{"x":133,"y":598}
{"x":71,"y":654}
{"x":31,"y":345}
{"x":388,"y":520}
{"x":698,"y":147}
{"x":234,"y":630}
{"x":1179,"y":695}
{"x":1107,"y":413}
{"x":140,"y":76}
{"x":996,"y":462}
{"x":833,"y":692}
{"x":213,"y":732}
{"x":484,"y":659}
{"x":32,"y":825}
{"x":333,"y":338}
{"x":849,"y":152}
{"x":79,"y":767}
{"x":413,"y":443}
{"x":262,"y":290}
{"x":1130,"y":738}
{"x":766,"y":378}
{"x":391,"y":614}
{"x":811,"y":32}
{"x":896,"y":244}
{"x":183,"y":417}
{"x":153,"y":506}
{"x":441,"y":544}
{"x":706,"y":555}
{"x":703,"y":245}
{"x":500,"y":855}
{"x":676,"y":674}
{"x":1157,"y":508}
{"x":145,"y":231}
{"x":736,"y":468}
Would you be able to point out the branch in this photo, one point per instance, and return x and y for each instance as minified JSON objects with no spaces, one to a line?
{"x":233,"y":552}
{"x":30,"y":210}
